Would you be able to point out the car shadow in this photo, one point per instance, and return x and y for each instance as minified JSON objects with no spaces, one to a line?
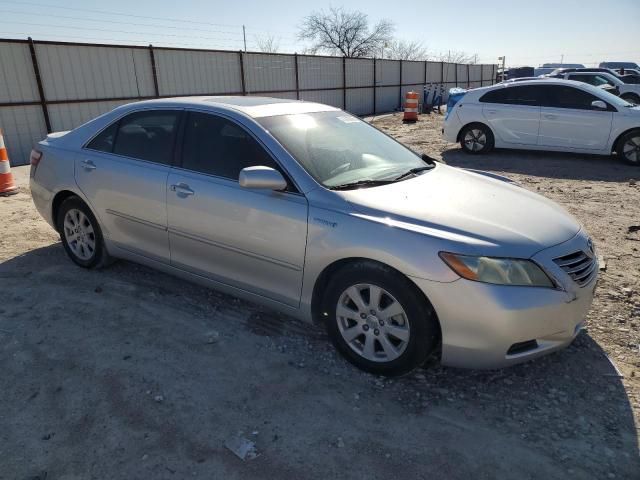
{"x":570,"y":408}
{"x":546,"y":164}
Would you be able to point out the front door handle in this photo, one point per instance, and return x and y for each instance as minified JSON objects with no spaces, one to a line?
{"x":492,"y":112}
{"x":550,"y":116}
{"x":88,"y":165}
{"x":182,"y":189}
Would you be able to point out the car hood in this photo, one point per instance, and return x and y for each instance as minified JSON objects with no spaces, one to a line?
{"x":477,"y":214}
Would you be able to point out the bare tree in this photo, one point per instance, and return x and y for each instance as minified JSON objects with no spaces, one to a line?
{"x":267,"y":43}
{"x":341,"y":32}
{"x":407,"y":50}
{"x":453,"y":56}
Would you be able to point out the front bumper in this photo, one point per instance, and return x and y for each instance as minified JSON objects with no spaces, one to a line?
{"x":481,"y":322}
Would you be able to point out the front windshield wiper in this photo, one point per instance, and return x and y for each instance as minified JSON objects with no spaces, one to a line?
{"x":361,"y":183}
{"x":413,"y":171}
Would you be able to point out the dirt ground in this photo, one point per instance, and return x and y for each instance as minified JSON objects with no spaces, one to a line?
{"x":129,"y":373}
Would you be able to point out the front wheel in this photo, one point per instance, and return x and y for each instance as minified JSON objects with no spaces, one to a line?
{"x":629,"y":148}
{"x":378,"y":319}
{"x":476,"y":139}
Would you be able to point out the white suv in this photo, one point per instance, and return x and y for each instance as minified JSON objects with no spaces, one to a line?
{"x":545,"y":114}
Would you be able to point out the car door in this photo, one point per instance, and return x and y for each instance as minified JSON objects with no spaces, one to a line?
{"x":513,"y":113}
{"x":250,"y":239}
{"x":123,"y":173}
{"x":569,"y":121}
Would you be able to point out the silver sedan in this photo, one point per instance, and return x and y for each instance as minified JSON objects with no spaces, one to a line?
{"x":313,"y":212}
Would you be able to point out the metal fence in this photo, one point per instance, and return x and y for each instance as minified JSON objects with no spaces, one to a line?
{"x":50,"y":86}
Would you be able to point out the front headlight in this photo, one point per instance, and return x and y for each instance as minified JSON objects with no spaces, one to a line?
{"x":499,"y":271}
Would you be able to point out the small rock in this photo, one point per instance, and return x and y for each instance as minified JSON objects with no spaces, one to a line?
{"x":626,"y":291}
{"x":340,"y":443}
{"x":213,"y":337}
{"x":158,"y":398}
{"x":145,"y":456}
{"x":242,"y":448}
{"x":632,"y":182}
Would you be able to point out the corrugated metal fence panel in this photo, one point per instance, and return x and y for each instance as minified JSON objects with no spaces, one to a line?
{"x":487,"y":74}
{"x":387,"y":72}
{"x":462,"y":76}
{"x":265,"y":72}
{"x":23,"y":127}
{"x":475,"y":76}
{"x":80,"y":72}
{"x":413,"y":72}
{"x":360,"y":101}
{"x":386,"y":99}
{"x":359,"y":72}
{"x":67,"y":116}
{"x":434,"y":72}
{"x":197,"y":73}
{"x":17,"y":79}
{"x":319,"y":72}
{"x":328,"y":97}
{"x":287,"y":95}
{"x":449,"y":74}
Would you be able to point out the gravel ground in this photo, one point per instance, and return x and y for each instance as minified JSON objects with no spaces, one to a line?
{"x":141,"y":375}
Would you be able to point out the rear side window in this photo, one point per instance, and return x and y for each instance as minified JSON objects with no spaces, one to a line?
{"x":595,"y":80}
{"x":103,"y":142}
{"x":518,"y":95}
{"x":147,"y":135}
{"x":569,"y":97}
{"x":217,"y":146}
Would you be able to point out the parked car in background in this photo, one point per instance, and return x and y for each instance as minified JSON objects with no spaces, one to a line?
{"x":627,"y":91}
{"x":616,"y":65}
{"x":314,"y":212}
{"x":547,"y":68}
{"x":627,"y":78}
{"x":546,"y":114}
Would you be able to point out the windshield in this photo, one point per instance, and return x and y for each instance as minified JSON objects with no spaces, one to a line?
{"x":338,"y":149}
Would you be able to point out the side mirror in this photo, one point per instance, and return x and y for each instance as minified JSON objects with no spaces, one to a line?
{"x":598,"y":105}
{"x":265,"y":178}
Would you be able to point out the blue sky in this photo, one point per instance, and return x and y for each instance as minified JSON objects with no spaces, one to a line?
{"x":527,"y":32}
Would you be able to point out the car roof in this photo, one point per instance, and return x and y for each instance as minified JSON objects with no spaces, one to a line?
{"x":255,"y":107}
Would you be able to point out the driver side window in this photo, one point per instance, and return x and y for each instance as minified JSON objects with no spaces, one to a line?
{"x":216,"y":146}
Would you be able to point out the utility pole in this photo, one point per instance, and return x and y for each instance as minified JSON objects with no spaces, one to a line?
{"x":244,"y":36}
{"x":562,"y":59}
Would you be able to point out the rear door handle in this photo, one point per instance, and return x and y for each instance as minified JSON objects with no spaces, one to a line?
{"x":88,"y":165}
{"x":492,"y":112}
{"x":182,"y":189}
{"x":550,"y":116}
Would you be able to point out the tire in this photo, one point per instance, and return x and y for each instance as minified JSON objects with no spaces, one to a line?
{"x":476,"y":139}
{"x":368,"y":340}
{"x":81,"y":235}
{"x":629,"y":147}
{"x":631,"y":98}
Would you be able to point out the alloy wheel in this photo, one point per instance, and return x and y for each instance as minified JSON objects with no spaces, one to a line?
{"x":79,"y":234}
{"x":631,"y":149}
{"x":475,"y":140}
{"x":372,"y":322}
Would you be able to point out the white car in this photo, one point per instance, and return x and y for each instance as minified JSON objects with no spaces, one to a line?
{"x":545,"y":114}
{"x":627,"y":91}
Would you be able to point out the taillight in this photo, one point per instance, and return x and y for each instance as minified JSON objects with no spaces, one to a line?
{"x":34,"y":160}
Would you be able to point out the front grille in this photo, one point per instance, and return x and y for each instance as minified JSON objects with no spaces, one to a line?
{"x":580,"y":266}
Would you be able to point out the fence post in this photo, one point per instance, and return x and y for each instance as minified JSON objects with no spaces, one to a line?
{"x":344,"y":83}
{"x":482,"y":75}
{"x":153,"y":70}
{"x":36,"y":71}
{"x":400,"y":89}
{"x":375,"y":100}
{"x":468,"y":75}
{"x":456,"y":73}
{"x":241,"y":57}
{"x":442,"y":73}
{"x":295,"y":55}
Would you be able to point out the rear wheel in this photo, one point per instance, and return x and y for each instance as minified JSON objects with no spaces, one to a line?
{"x":378,"y":319}
{"x":631,"y":98}
{"x":476,"y":139}
{"x":629,"y":147}
{"x":80,"y":234}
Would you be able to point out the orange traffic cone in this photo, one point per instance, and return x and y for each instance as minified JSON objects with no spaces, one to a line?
{"x":7,"y":184}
